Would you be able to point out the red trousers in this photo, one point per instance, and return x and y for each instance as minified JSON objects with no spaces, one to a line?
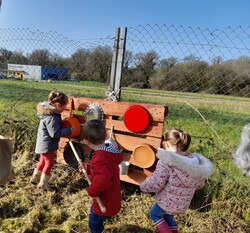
{"x":46,"y":163}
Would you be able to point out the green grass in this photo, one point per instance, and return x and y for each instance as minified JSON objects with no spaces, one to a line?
{"x":214,"y":122}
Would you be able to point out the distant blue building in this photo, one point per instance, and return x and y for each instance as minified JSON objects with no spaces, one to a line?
{"x":33,"y":72}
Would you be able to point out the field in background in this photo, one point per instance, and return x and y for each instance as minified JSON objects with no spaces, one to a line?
{"x":214,"y":122}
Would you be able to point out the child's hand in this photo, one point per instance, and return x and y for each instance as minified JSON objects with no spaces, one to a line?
{"x":81,"y":168}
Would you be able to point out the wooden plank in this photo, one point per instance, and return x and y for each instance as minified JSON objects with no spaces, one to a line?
{"x":155,"y":130}
{"x":129,"y":143}
{"x":134,"y":176}
{"x":158,"y":112}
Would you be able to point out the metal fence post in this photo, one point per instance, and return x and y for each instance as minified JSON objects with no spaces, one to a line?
{"x":117,"y":61}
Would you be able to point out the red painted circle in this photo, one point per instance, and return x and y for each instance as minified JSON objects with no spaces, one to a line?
{"x":136,"y":118}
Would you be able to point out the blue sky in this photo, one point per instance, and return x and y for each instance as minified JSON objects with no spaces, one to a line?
{"x":84,"y":19}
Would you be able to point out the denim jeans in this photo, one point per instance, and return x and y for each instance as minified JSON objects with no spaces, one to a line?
{"x":156,"y":213}
{"x":96,"y":222}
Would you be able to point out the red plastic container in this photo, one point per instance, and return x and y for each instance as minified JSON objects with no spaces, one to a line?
{"x":136,"y":118}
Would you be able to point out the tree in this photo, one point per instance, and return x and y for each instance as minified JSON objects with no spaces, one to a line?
{"x":101,"y":59}
{"x":40,"y":57}
{"x":190,"y":58}
{"x":240,"y":65}
{"x":219,"y":79}
{"x":57,"y":60}
{"x":142,"y":67}
{"x":217,"y":60}
{"x":186,"y":76}
{"x":128,"y":59}
{"x":4,"y":57}
{"x":79,"y":63}
{"x":18,"y":58}
{"x":168,"y":63}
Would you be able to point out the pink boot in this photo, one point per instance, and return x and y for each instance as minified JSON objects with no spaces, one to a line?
{"x":174,"y":230}
{"x":162,"y":227}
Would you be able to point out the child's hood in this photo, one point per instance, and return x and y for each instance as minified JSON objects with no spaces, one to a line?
{"x":116,"y":158}
{"x":112,"y":153}
{"x":202,"y":170}
{"x":45,"y":109}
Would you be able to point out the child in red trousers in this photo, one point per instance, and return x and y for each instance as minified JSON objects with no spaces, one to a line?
{"x":48,"y":135}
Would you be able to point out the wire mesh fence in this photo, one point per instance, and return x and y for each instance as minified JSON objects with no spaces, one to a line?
{"x":201,"y":74}
{"x":84,"y":59}
{"x":206,"y":75}
{"x":189,"y":59}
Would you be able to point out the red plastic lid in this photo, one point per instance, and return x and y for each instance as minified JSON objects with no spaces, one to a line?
{"x":136,"y":118}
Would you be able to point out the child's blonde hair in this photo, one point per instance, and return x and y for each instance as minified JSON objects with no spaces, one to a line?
{"x":178,"y":138}
{"x":57,"y":97}
{"x":94,"y":131}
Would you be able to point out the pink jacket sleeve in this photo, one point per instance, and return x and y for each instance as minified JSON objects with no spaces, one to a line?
{"x":157,"y":181}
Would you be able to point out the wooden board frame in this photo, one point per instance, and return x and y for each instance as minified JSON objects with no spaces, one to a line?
{"x":127,"y":141}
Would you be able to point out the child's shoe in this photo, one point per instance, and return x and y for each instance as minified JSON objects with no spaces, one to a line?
{"x":44,"y":182}
{"x":162,"y":227}
{"x":36,"y":176}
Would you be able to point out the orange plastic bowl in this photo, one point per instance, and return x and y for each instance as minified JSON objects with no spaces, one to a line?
{"x":144,"y":155}
{"x":72,"y":122}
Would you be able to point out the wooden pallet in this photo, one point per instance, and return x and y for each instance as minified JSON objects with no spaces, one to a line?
{"x":127,"y":141}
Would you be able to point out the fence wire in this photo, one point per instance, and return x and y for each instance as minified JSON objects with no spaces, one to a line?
{"x":189,"y":59}
{"x":84,"y":59}
{"x":206,"y":73}
{"x":201,"y":74}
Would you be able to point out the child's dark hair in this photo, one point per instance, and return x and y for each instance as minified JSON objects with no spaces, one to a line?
{"x":57,"y":97}
{"x":94,"y":131}
{"x":179,"y":138}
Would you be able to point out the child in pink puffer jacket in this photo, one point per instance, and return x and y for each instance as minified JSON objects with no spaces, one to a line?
{"x":177,"y":175}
